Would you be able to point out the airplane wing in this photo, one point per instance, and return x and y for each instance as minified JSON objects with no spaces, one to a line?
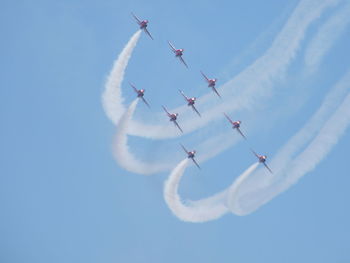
{"x":183,"y":94}
{"x":194,"y":108}
{"x":136,"y":18}
{"x":133,"y":87}
{"x":206,"y":78}
{"x":177,"y":125}
{"x":183,"y":147}
{"x":183,"y":61}
{"x":196,"y":163}
{"x":229,"y":119}
{"x":241,"y":133}
{"x":148,"y":33}
{"x":257,"y":156}
{"x":143,"y":99}
{"x":172,"y":47}
{"x":167,"y":112}
{"x":268,"y":168}
{"x":217,"y":93}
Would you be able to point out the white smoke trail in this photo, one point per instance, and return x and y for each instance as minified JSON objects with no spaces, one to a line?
{"x":121,"y":149}
{"x":326,"y":36}
{"x":257,"y":192}
{"x":250,"y":191}
{"x":231,"y":197}
{"x":330,"y":103}
{"x":220,"y":142}
{"x":259,"y":189}
{"x":329,"y":135}
{"x":247,"y":193}
{"x":257,"y":77}
{"x":222,"y":197}
{"x":125,"y":158}
{"x":189,"y":213}
{"x":112,"y":99}
{"x":256,"y":82}
{"x":203,"y":210}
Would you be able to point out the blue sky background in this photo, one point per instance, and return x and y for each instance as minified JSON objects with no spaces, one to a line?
{"x":62,"y":196}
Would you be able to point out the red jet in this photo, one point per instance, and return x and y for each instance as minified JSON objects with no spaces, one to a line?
{"x":262,"y":159}
{"x":190,"y":155}
{"x":178,"y":53}
{"x":140,"y":93}
{"x":235,"y":125}
{"x":211,"y":83}
{"x":190,"y":102}
{"x":173,"y":118}
{"x":143,"y":25}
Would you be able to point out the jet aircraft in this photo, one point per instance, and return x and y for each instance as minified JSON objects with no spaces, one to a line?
{"x":178,"y":53}
{"x":140,"y":93}
{"x":173,"y":118}
{"x":190,"y":102}
{"x":211,"y":83}
{"x":190,"y":155}
{"x":262,"y":159}
{"x":143,"y":25}
{"x":235,"y":125}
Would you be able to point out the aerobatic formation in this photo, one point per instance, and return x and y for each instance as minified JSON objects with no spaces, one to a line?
{"x":254,"y":187}
{"x":173,"y":117}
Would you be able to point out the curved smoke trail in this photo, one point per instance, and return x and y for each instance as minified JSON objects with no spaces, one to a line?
{"x":247,"y":193}
{"x":254,"y":193}
{"x":234,"y":206}
{"x":121,"y":149}
{"x":326,"y":36}
{"x":126,"y":159}
{"x":243,"y":91}
{"x":112,"y":99}
{"x":208,"y":210}
{"x":252,"y":190}
{"x":324,"y":127}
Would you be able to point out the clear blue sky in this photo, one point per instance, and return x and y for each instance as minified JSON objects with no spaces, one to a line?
{"x":62,"y":196}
